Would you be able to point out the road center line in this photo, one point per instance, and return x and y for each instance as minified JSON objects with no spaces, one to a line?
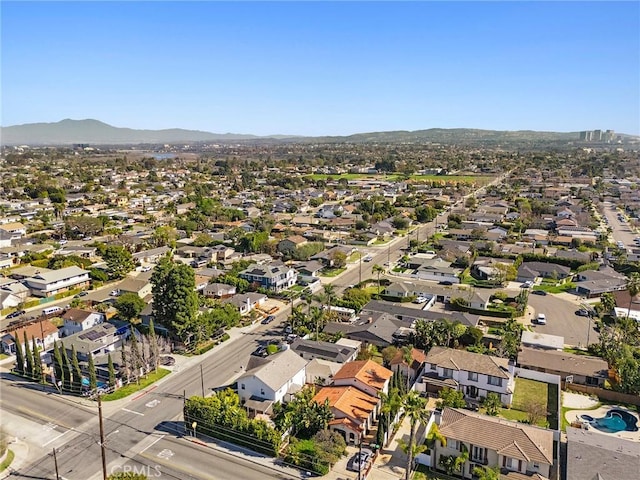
{"x":132,"y":411}
{"x":55,"y":438}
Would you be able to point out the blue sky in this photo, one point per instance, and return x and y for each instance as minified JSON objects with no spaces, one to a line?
{"x":326,"y":68}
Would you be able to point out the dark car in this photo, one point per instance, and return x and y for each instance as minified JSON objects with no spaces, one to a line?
{"x":445,"y":282}
{"x":583,"y":312}
{"x":539,"y":292}
{"x":261,"y":351}
{"x":167,"y":360}
{"x":84,"y":293}
{"x":268,"y":319}
{"x":15,"y":314}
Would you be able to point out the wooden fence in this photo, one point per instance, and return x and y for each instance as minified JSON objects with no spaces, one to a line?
{"x":608,"y":395}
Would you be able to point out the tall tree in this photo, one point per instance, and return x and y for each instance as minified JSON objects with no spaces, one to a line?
{"x":633,"y":287}
{"x":415,"y":408}
{"x":37,"y":361}
{"x":19,"y":368}
{"x":66,"y":365}
{"x":154,"y":346}
{"x":119,"y":261}
{"x":379,"y":270}
{"x":129,"y":305}
{"x":112,"y":372}
{"x":175,"y":301}
{"x":28,"y":371}
{"x":58,"y":368}
{"x":93,"y":377}
{"x":77,"y":373}
{"x":135,"y":357}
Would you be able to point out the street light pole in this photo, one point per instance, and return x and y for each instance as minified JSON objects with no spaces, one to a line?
{"x":55,"y":463}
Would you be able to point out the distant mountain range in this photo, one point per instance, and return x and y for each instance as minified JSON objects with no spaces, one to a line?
{"x":94,"y":132}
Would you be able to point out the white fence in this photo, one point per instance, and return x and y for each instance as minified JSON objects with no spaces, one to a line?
{"x":424,"y":458}
{"x":537,"y":376}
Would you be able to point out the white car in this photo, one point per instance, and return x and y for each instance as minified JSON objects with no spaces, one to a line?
{"x":420,"y":300}
{"x":115,"y":293}
{"x":541,"y":319}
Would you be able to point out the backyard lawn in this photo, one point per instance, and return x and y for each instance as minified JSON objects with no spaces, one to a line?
{"x":529,"y":391}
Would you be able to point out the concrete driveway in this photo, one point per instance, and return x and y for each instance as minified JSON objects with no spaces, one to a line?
{"x":562,"y":320}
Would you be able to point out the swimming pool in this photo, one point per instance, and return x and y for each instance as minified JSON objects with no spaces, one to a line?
{"x":614,"y":421}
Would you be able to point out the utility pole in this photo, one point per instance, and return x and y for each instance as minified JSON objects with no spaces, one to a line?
{"x":360,"y":458}
{"x":55,"y":463}
{"x":202,"y":380}
{"x":102,"y":447}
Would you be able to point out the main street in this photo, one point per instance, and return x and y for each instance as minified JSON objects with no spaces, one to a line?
{"x":133,"y":426}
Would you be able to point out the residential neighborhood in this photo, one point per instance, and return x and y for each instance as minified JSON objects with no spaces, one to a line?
{"x":479,"y":321}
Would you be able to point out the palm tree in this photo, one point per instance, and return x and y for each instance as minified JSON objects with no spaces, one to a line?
{"x":407,"y":357}
{"x":379,"y":270}
{"x":391,"y":403}
{"x":608,"y":302}
{"x":633,"y":287}
{"x":415,"y":407}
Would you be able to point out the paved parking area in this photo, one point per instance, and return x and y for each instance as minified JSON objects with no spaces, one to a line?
{"x":562,"y":319}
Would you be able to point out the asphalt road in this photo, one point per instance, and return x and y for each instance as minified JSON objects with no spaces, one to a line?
{"x":131,"y":426}
{"x":562,"y":320}
{"x":622,"y":232}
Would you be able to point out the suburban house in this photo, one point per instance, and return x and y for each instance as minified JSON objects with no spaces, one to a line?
{"x":594,"y":456}
{"x":366,"y":375}
{"x":321,"y":372}
{"x":290,"y":244}
{"x":51,"y":282}
{"x":626,"y":306}
{"x":487,"y":268}
{"x":97,"y":340}
{"x":531,"y":271}
{"x":413,"y":368}
{"x":439,"y":270}
{"x":582,"y":369}
{"x":312,"y":349}
{"x":142,"y":288}
{"x":246,"y":302}
{"x":474,"y":374}
{"x":269,"y":380}
{"x":353,"y":410}
{"x":44,"y":332}
{"x":592,"y":283}
{"x":219,"y":290}
{"x":272,"y":277}
{"x":376,"y":329}
{"x":518,"y":449}
{"x":12,"y":231}
{"x":15,"y":288}
{"x":77,"y":320}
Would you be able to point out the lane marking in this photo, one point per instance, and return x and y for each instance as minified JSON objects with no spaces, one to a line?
{"x":132,"y":411}
{"x":151,"y":445}
{"x":55,"y":438}
{"x":152,"y":403}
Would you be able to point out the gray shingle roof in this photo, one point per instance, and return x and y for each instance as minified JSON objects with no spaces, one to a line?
{"x":523,"y":442}
{"x":468,"y":361}
{"x":277,"y":370}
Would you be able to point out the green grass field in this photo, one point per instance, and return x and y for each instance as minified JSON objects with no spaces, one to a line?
{"x":133,"y":387}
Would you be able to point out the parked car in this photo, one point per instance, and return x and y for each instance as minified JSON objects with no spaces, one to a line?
{"x":288,"y":329}
{"x":541,"y":319}
{"x":114,"y":293}
{"x":359,"y":461}
{"x":84,"y":293}
{"x":268,"y":319}
{"x":167,"y":360}
{"x":527,"y":284}
{"x":539,"y":292}
{"x":145,"y":269}
{"x":583,"y":312}
{"x":261,"y":351}
{"x":291,"y":337}
{"x":15,"y":314}
{"x":420,"y":300}
{"x":445,"y":282}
